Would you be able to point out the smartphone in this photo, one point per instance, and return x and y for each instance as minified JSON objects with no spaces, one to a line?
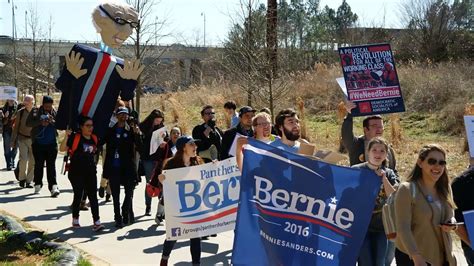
{"x":453,"y":224}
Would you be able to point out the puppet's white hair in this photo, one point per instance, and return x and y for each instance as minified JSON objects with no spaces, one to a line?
{"x":102,"y":14}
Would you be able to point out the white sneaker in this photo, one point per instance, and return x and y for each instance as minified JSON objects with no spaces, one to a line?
{"x":37,"y":189}
{"x":54,"y":191}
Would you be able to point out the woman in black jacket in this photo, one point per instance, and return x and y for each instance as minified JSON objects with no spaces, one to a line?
{"x":119,"y":167}
{"x":152,"y":122}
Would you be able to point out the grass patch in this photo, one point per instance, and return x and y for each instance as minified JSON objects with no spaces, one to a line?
{"x":83,"y":262}
{"x":17,"y":253}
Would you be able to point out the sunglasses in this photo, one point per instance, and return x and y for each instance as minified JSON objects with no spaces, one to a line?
{"x":210,"y":113}
{"x":120,"y":20}
{"x":432,"y":161}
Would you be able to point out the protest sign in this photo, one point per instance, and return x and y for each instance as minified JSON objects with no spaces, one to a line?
{"x":8,"y":93}
{"x":469,"y":223}
{"x":371,"y":79}
{"x":469,"y":123}
{"x":157,"y":138}
{"x":201,"y":200}
{"x":298,"y":211}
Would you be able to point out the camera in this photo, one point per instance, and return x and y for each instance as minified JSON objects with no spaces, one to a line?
{"x":211,"y":123}
{"x":44,"y":117}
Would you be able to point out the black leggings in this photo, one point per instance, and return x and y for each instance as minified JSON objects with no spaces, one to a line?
{"x":195,"y":249}
{"x":84,"y":184}
{"x":127,"y":201}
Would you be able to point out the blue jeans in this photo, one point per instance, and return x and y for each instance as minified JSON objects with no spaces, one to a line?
{"x":148,"y":166}
{"x":390,"y":255}
{"x":10,"y":153}
{"x":373,"y":250}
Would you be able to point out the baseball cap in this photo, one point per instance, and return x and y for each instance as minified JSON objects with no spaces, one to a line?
{"x":47,"y":99}
{"x":122,"y":110}
{"x":246,"y":109}
{"x":183,"y":140}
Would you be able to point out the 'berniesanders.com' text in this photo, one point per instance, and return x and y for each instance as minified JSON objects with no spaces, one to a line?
{"x":297,"y":247}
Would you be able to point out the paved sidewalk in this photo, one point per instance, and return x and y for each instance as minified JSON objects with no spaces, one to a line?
{"x":140,"y":243}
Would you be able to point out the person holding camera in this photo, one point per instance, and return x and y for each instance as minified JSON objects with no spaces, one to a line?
{"x":119,"y":166}
{"x":44,"y":145}
{"x":209,"y":134}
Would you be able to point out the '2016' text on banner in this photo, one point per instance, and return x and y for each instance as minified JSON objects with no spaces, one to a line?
{"x":201,"y":200}
{"x":298,"y":211}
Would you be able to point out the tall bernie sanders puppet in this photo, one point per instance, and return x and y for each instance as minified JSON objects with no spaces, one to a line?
{"x":92,"y":79}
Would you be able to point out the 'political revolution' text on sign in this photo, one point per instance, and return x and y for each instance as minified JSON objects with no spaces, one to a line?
{"x":201,"y":200}
{"x":371,"y":79}
{"x":298,"y":211}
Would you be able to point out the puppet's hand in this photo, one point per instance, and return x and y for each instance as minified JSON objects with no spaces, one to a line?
{"x":74,"y":64}
{"x":130,"y":70}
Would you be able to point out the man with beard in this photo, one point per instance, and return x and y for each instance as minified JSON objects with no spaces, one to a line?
{"x":244,"y":128}
{"x":288,"y":128}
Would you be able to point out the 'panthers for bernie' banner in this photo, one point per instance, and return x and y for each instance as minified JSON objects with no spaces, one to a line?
{"x":201,"y":200}
{"x":298,"y":211}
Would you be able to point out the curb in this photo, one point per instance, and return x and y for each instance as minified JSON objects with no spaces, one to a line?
{"x":69,"y":256}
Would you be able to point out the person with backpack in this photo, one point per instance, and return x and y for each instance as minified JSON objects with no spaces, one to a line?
{"x":119,"y":166}
{"x":82,"y":172}
{"x":44,"y":145}
{"x":425,"y":218}
{"x":374,"y":247}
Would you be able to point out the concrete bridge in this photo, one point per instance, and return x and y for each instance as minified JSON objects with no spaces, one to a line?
{"x":184,"y":61}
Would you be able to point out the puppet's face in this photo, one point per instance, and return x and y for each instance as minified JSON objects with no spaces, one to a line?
{"x":116,"y":23}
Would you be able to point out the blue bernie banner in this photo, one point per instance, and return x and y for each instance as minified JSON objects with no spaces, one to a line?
{"x":298,"y":211}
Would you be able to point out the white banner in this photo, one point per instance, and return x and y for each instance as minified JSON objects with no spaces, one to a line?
{"x":8,"y":93}
{"x":201,"y":200}
{"x":469,"y":123}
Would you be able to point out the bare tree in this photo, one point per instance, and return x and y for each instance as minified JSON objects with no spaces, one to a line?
{"x":434,"y":27}
{"x":34,"y":24}
{"x":151,"y":30}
